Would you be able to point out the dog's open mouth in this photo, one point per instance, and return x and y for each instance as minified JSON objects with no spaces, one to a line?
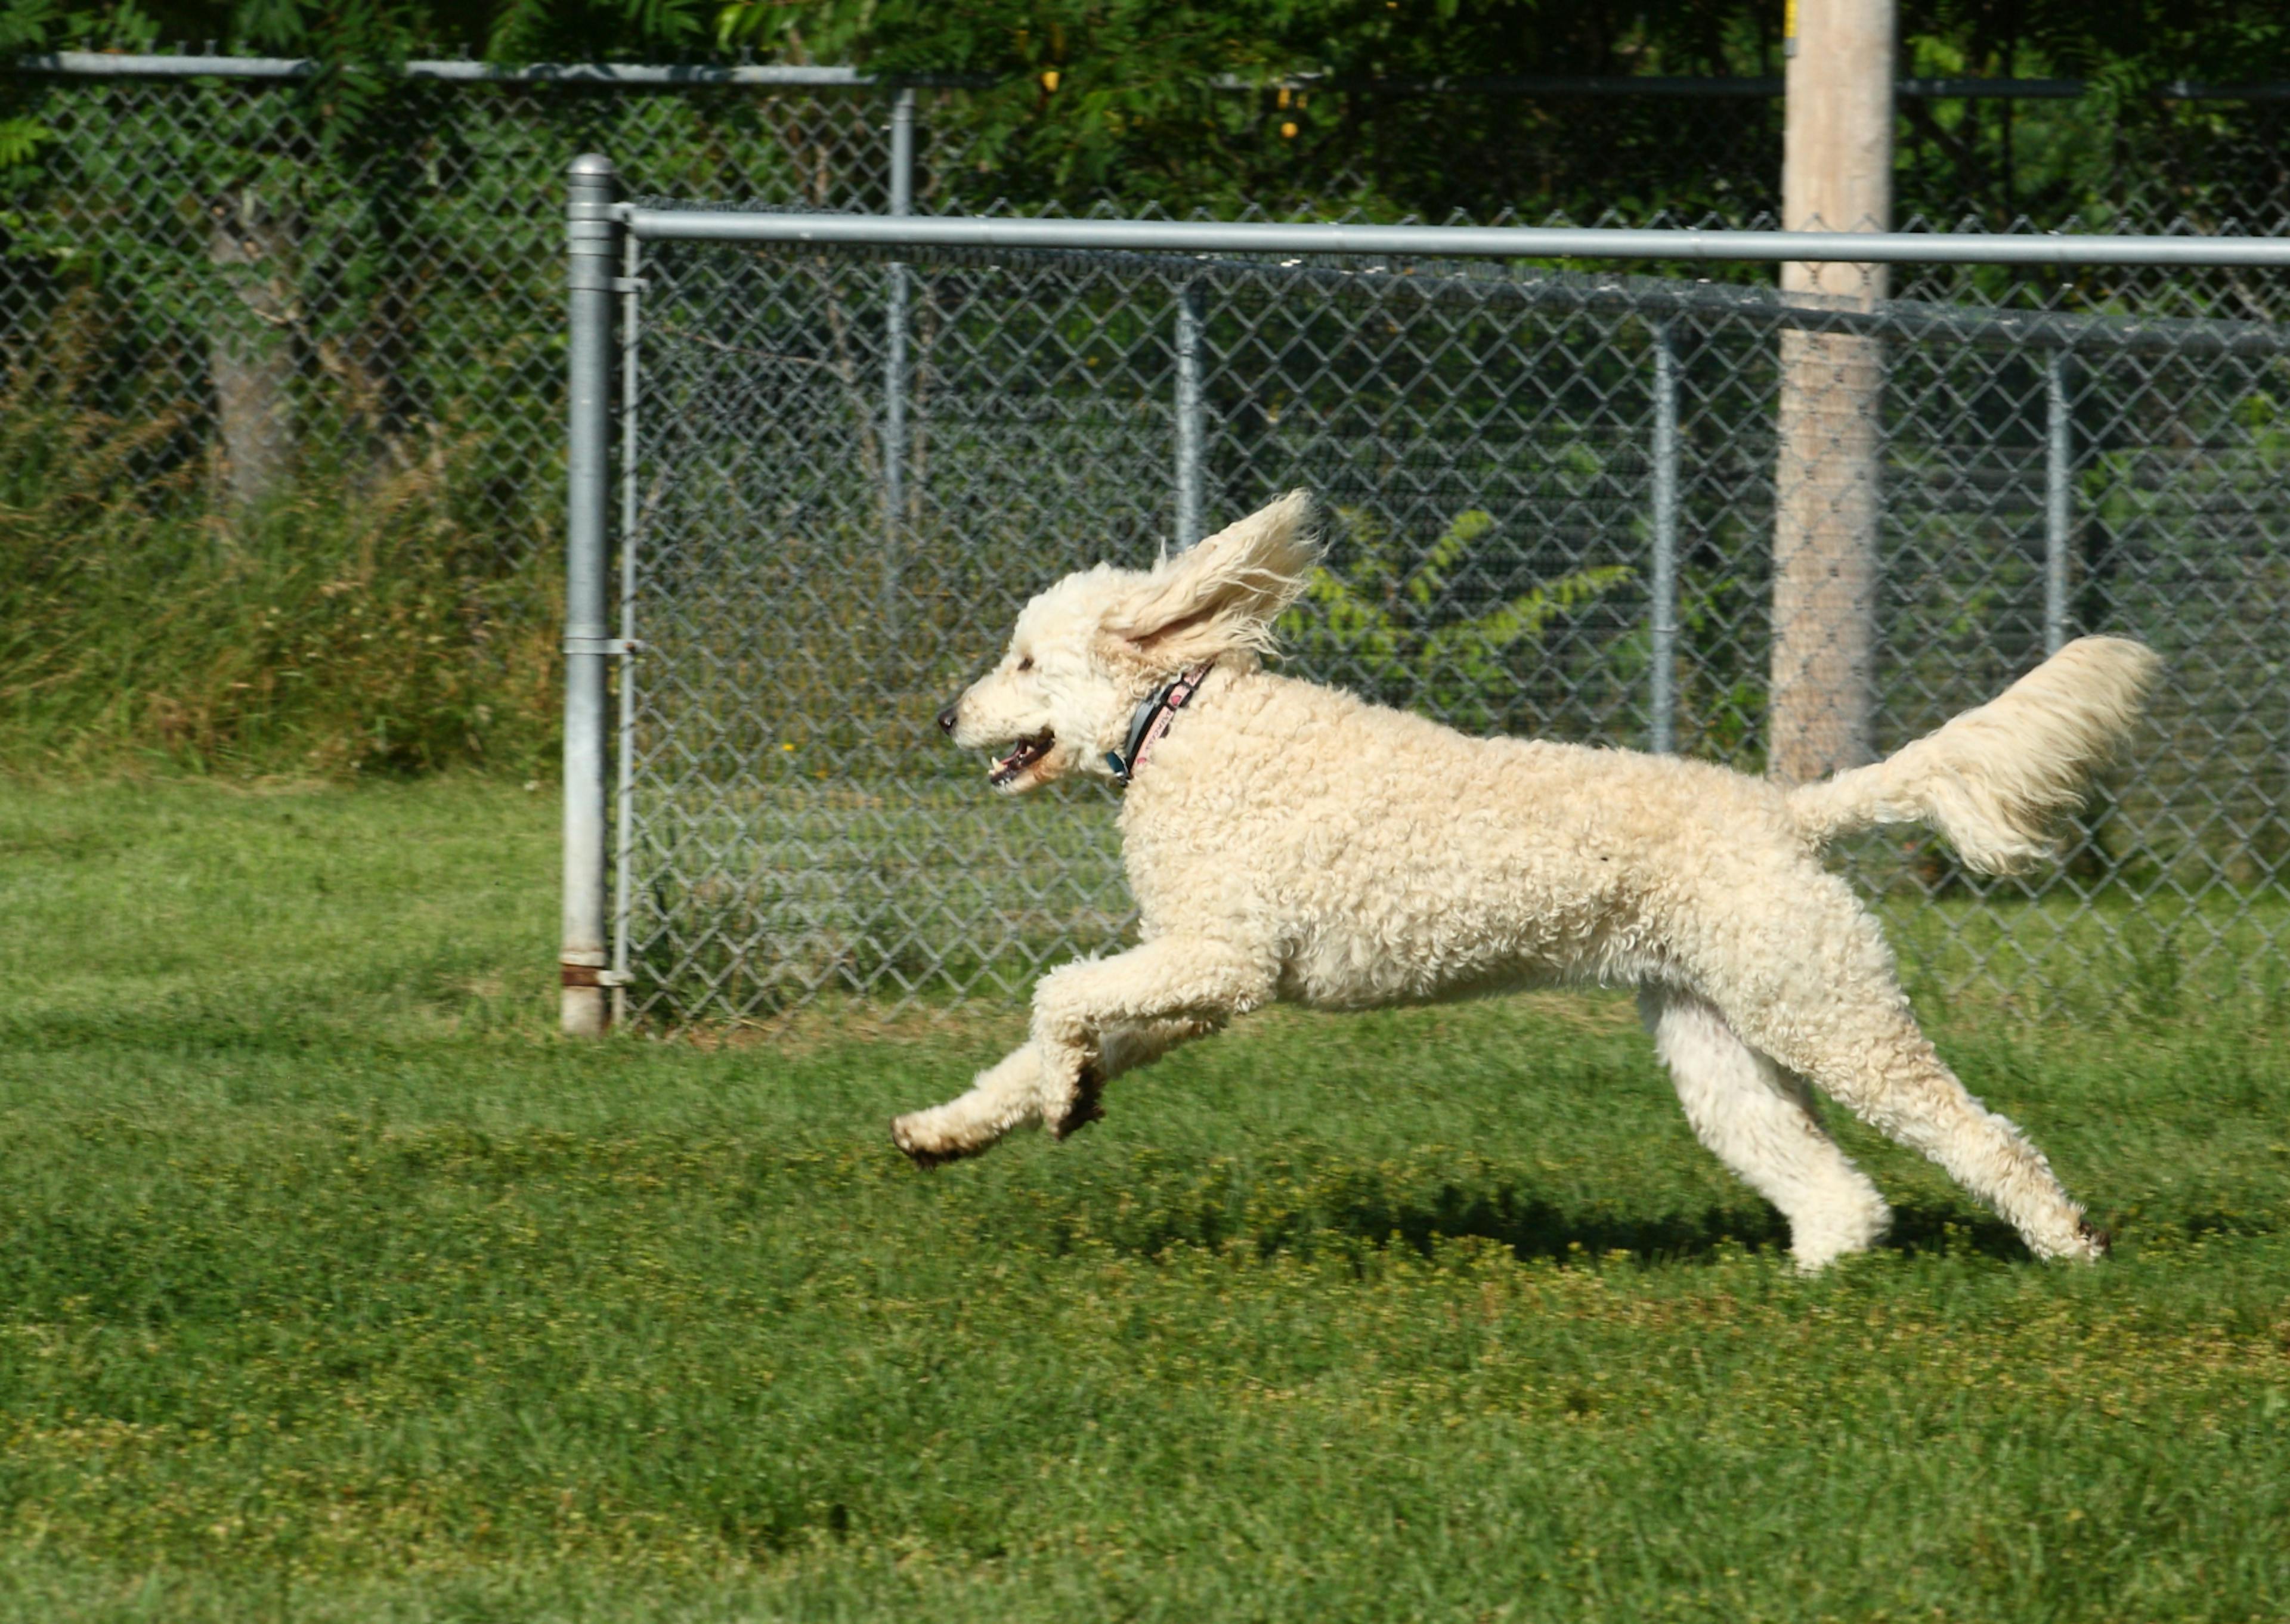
{"x":1023,"y":755}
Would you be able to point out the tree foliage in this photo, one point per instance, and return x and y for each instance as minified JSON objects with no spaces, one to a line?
{"x":1105,"y":92}
{"x":1134,"y":101}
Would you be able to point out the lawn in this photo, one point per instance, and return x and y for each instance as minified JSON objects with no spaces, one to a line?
{"x":333,"y":1286}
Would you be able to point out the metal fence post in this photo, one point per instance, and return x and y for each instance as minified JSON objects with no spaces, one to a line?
{"x":624,"y":753}
{"x":902,"y":151}
{"x":895,"y":366}
{"x":1188,"y":415}
{"x":2059,"y":466}
{"x":593,"y":245}
{"x":1662,"y":673}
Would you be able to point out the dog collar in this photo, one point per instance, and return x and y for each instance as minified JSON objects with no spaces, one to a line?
{"x":1151,"y":719}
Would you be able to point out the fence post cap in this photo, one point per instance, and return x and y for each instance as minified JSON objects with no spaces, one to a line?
{"x":592,"y":165}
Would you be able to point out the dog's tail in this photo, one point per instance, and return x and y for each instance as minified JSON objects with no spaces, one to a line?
{"x":1992,"y":779}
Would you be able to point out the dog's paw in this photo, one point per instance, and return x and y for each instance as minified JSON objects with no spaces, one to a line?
{"x":923,"y":1154}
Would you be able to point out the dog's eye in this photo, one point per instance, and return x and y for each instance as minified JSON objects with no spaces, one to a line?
{"x":1027,"y":664}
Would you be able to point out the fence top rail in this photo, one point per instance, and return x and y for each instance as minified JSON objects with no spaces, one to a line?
{"x":1448,"y":242}
{"x":109,"y":64}
{"x":1663,"y":300}
{"x":185,"y":65}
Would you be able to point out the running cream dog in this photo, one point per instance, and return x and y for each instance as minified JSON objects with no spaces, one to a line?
{"x":1289,"y":841}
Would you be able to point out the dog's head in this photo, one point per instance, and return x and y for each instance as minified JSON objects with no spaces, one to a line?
{"x":1086,"y":652}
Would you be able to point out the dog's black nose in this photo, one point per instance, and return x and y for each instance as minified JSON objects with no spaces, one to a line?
{"x":945,"y":719}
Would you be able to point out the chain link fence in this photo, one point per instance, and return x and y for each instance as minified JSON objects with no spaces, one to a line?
{"x":267,"y":295}
{"x":275,"y":302}
{"x":258,"y":299}
{"x":1555,"y":496}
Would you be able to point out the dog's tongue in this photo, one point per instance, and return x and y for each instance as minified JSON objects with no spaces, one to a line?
{"x":1023,"y":755}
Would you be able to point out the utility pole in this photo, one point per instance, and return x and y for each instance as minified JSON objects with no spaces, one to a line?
{"x":1836,"y":175}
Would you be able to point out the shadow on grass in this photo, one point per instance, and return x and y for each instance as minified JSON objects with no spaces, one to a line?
{"x":1531,"y":1227}
{"x":1539,"y":1229}
{"x":1353,"y":1211}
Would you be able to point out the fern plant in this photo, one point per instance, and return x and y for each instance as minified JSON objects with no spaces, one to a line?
{"x":1394,"y":627}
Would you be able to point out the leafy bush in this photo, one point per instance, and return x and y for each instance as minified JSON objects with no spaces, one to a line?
{"x":1377,"y":620}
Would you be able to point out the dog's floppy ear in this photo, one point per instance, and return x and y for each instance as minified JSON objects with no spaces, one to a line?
{"x":1222,"y":594}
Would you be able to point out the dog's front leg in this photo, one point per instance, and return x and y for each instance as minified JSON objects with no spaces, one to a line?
{"x":1092,"y":1022}
{"x":1005,"y":1096}
{"x":1009,"y":1095}
{"x":1101,"y":1017}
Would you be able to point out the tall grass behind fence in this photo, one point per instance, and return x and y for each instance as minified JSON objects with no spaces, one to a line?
{"x":357,"y":624}
{"x":288,"y":395}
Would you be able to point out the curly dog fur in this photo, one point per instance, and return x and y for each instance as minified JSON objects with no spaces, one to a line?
{"x":1291,"y":840}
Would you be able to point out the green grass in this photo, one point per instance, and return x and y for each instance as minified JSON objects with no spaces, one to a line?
{"x":333,"y":1287}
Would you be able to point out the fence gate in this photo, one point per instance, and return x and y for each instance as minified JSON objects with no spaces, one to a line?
{"x":844,"y":451}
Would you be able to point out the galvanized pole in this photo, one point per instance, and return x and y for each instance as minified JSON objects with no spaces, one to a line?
{"x":1188,"y":415}
{"x":2059,"y":466}
{"x":624,"y":755}
{"x":894,"y":367}
{"x":1662,"y":614}
{"x":593,"y":244}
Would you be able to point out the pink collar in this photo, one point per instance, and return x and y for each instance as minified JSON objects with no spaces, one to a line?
{"x":1152,"y":719}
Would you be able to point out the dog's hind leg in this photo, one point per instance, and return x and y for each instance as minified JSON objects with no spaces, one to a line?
{"x":1760,"y":1120}
{"x":1889,"y":1073}
{"x":1829,"y":1009}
